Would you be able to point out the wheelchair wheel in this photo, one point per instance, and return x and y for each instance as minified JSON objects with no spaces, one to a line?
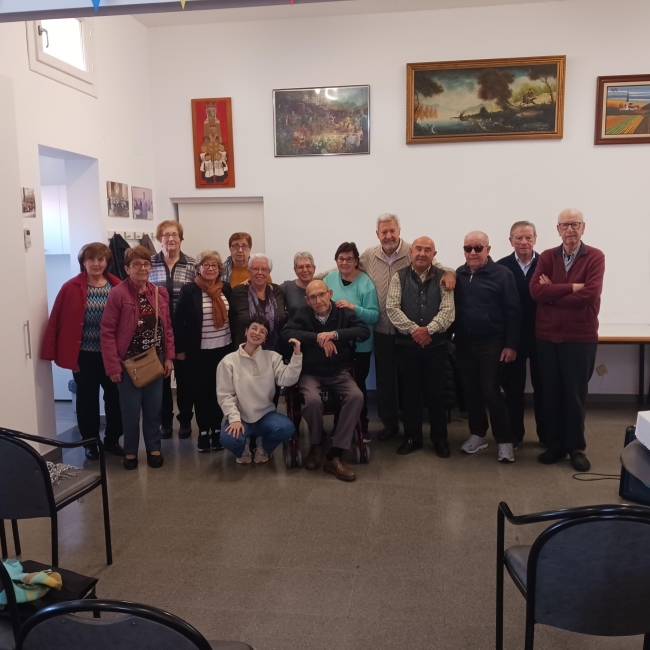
{"x":357,"y":454}
{"x":288,"y":457}
{"x":299,"y":459}
{"x":366,"y":454}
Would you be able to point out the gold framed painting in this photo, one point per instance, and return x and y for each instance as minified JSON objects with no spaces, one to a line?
{"x":485,"y":99}
{"x":623,"y":110}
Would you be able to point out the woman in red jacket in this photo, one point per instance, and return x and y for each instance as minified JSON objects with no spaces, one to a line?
{"x":72,"y":341}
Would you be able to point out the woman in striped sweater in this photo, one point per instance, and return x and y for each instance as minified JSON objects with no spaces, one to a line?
{"x":202,"y":333}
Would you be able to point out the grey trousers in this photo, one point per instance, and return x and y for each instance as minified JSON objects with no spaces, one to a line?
{"x":312,"y":410}
{"x":132,"y":401}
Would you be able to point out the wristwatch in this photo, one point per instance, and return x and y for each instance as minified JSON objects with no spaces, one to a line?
{"x":336,"y":336}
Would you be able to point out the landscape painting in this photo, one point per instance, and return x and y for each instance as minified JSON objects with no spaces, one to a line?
{"x":623,"y":110}
{"x":322,"y":121}
{"x":485,"y":99}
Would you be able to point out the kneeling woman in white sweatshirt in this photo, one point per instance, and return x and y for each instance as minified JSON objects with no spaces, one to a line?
{"x":246,"y":381}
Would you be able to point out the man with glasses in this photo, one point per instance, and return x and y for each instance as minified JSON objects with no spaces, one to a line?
{"x":327,"y":334}
{"x":235,"y":268}
{"x":487,"y":332}
{"x":172,"y":269}
{"x":567,"y":285}
{"x":296,"y":290}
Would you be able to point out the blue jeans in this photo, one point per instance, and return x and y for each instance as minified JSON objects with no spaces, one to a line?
{"x":270,"y":430}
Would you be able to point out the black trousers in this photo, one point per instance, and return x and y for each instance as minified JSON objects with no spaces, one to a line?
{"x":90,"y":377}
{"x":202,"y":369}
{"x":566,"y":371}
{"x":361,"y":364}
{"x":183,"y":396}
{"x":479,"y":368}
{"x":386,"y":373}
{"x":513,"y":382}
{"x":423,"y":377}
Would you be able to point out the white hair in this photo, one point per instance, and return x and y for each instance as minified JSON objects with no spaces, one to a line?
{"x":303,"y":255}
{"x":570,"y":212}
{"x":386,"y":217}
{"x":478,"y":233}
{"x":258,"y":256}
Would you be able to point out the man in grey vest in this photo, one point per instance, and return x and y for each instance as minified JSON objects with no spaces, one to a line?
{"x":421,"y":311}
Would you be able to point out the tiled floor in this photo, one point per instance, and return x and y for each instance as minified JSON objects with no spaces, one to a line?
{"x":296,"y":560}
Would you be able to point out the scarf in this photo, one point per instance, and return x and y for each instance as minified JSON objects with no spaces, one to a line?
{"x":227,"y":269}
{"x":219,"y":313}
{"x":269,"y":311}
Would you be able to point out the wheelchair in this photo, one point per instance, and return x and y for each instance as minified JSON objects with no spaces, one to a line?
{"x":332,"y":406}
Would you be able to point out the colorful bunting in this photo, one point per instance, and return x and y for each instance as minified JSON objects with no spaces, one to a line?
{"x":96,"y":4}
{"x":183,"y":4}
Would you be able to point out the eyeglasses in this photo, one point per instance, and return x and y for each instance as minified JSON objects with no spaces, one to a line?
{"x":140,"y":265}
{"x":575,"y":225}
{"x":315,"y":297}
{"x":171,"y":235}
{"x":476,"y":249}
{"x":263,"y":270}
{"x":305,"y":267}
{"x":258,"y":330}
{"x":210,"y":266}
{"x":240,"y":247}
{"x":345,"y":260}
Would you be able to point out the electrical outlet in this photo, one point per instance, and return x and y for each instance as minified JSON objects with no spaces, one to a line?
{"x":602,"y":370}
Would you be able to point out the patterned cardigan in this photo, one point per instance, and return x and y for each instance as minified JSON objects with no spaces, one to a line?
{"x":182,"y":273}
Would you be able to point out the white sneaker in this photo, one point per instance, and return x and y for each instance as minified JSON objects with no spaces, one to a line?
{"x":506,"y":453}
{"x":260,"y":455}
{"x":246,"y":457}
{"x":473,"y":444}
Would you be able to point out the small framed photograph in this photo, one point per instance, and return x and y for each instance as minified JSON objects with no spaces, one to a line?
{"x":118,"y":199}
{"x":214,"y":161}
{"x":485,"y":99}
{"x":29,"y":202}
{"x":142,"y":199}
{"x":623,"y":110}
{"x":321,"y":121}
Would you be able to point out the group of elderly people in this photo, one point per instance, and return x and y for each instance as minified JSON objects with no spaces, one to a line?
{"x":233,"y":337}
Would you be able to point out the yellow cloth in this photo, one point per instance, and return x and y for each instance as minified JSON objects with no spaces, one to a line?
{"x":239,"y":275}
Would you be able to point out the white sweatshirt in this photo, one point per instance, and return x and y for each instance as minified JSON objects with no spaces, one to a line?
{"x":246,"y":384}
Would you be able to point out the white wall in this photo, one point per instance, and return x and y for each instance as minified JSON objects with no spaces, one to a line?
{"x":114,"y":128}
{"x":441,"y":190}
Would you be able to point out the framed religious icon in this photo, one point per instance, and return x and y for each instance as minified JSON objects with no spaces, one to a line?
{"x":623,"y":110}
{"x":485,"y":99}
{"x":214,"y":163}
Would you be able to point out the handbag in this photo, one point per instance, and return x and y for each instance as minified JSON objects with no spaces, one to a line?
{"x":146,"y":367}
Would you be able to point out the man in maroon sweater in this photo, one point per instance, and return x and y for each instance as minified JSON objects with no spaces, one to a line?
{"x":566,"y":285}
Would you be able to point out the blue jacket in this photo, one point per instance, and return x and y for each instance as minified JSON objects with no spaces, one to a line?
{"x":487,"y":306}
{"x":528,"y":305}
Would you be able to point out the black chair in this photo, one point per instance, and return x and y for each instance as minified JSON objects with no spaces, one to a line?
{"x":137,"y":626}
{"x":9,"y":626}
{"x":26,"y":491}
{"x":586,"y":573}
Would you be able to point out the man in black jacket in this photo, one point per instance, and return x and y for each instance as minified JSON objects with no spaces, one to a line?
{"x":327,"y":335}
{"x":522,"y":264}
{"x":487,"y":330}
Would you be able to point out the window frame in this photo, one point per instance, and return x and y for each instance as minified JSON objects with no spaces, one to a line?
{"x":43,"y":63}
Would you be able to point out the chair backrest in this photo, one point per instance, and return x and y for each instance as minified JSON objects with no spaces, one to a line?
{"x":7,"y":586}
{"x":591,"y":575}
{"x":25,"y":486}
{"x":136,"y":626}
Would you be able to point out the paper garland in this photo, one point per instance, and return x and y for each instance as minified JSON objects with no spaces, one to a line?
{"x":96,"y":4}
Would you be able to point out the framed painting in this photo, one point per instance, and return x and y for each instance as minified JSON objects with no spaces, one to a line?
{"x":214,"y":157}
{"x":623,"y":110}
{"x":142,"y":199}
{"x":485,"y":99}
{"x":117,"y":195}
{"x":321,"y":121}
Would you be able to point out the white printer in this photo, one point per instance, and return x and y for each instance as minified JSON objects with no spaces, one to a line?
{"x":643,"y":428}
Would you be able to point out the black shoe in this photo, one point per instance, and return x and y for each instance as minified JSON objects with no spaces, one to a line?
{"x":551,"y":456}
{"x":130,"y":463}
{"x":216,"y":442}
{"x":203,"y":444}
{"x":580,"y":462}
{"x":387,"y":434}
{"x":92,"y":453}
{"x":185,"y":430}
{"x":155,"y":461}
{"x":113,"y":448}
{"x":442,"y":449}
{"x":409,"y":446}
{"x":166,"y":431}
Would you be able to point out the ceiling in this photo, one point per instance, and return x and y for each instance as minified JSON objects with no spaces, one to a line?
{"x":310,"y":9}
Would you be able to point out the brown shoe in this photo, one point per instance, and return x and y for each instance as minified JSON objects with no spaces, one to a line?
{"x":314,"y":457}
{"x":339,"y":469}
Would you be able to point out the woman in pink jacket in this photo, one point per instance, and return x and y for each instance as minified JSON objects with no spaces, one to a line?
{"x":127,"y":329}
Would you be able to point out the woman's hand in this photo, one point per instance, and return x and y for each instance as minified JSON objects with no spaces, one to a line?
{"x":235,"y":429}
{"x":116,"y":378}
{"x":168,"y":366}
{"x":180,"y":356}
{"x":344,"y":304}
{"x":296,"y":346}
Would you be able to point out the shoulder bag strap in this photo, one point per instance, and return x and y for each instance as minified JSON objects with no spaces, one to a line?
{"x":155,"y":332}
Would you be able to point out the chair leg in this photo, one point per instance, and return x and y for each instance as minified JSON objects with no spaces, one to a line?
{"x":499,"y":612}
{"x":55,"y":540}
{"x":3,"y":540}
{"x":646,"y":642}
{"x":14,"y":528}
{"x":107,"y":523}
{"x":530,"y":634}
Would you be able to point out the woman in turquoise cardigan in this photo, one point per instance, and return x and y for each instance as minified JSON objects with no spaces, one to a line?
{"x":353,"y":289}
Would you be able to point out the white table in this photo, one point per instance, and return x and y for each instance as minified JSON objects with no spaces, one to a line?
{"x":628,"y":334}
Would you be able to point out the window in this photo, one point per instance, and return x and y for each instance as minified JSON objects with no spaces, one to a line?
{"x":62,"y":49}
